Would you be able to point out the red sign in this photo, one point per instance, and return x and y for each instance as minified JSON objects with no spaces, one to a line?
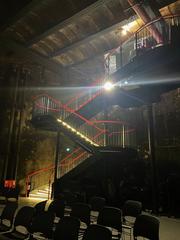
{"x":10,"y":183}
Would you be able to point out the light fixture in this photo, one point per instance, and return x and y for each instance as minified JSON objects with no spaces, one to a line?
{"x":108,"y":86}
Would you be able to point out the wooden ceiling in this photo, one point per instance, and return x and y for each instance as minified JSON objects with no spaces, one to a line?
{"x":68,"y":33}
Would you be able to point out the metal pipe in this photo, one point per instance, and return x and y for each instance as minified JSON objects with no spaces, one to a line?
{"x":140,"y":11}
{"x":56,"y":161}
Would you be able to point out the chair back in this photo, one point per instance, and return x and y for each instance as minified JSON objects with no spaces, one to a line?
{"x":132,"y":208}
{"x":40,"y":207}
{"x":81,"y":211}
{"x":70,"y":198}
{"x":12,"y":194}
{"x":97,"y":203}
{"x":9,"y":212}
{"x":57,"y":207}
{"x":24,"y":216}
{"x":110,"y":217}
{"x":146,"y":226}
{"x":43,"y":223}
{"x":97,"y":232}
{"x":67,"y":228}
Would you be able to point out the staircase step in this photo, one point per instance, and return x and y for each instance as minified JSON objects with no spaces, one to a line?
{"x":42,"y":193}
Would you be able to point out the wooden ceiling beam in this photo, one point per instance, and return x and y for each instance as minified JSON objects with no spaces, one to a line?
{"x":88,"y":39}
{"x":64,"y":23}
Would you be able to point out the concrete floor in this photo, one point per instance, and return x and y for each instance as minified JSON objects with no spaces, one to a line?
{"x":169,"y":227}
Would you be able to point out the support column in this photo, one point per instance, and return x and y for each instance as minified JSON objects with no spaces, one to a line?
{"x":154,"y":174}
{"x":10,"y":161}
{"x":56,"y":162}
{"x":21,"y":107}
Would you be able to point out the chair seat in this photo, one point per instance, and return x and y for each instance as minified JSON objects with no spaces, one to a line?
{"x":115,"y":233}
{"x":4,"y":228}
{"x":15,"y":235}
{"x":37,"y":235}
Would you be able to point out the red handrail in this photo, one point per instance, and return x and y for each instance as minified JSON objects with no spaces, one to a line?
{"x":68,"y":109}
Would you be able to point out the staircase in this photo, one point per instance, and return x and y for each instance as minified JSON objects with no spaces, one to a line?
{"x":74,"y":118}
{"x":50,"y":114}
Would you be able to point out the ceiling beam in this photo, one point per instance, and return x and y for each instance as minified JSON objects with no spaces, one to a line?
{"x":20,"y":14}
{"x":88,"y":39}
{"x":15,"y":49}
{"x":66,"y":22}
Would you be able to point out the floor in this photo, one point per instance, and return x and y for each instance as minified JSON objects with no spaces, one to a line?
{"x":169,"y":227}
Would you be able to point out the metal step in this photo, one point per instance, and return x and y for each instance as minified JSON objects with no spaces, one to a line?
{"x":42,"y":192}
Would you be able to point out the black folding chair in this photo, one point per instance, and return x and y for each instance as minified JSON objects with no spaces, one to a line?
{"x":40,"y":208}
{"x":96,"y":203}
{"x":57,"y":207}
{"x":21,"y":224}
{"x":111,"y":217}
{"x":12,"y":195}
{"x":130,"y":211}
{"x":146,"y":226}
{"x":42,"y":226}
{"x":6,"y":218}
{"x":67,"y":228}
{"x":81,"y":211}
{"x":97,"y":232}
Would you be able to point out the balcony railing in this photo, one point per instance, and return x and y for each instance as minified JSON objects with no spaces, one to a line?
{"x":141,"y":42}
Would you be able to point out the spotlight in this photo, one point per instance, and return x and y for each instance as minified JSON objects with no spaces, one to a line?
{"x":108,"y":86}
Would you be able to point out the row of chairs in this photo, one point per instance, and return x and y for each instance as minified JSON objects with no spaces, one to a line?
{"x":30,"y":221}
{"x":68,"y":228}
{"x":36,"y":219}
{"x":110,"y":217}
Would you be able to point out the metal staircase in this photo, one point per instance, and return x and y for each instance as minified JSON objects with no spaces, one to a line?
{"x":51,"y":114}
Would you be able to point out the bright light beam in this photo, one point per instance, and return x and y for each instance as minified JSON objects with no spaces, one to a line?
{"x":149,"y":81}
{"x":108,"y":86}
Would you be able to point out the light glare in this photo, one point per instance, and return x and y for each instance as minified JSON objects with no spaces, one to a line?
{"x":108,"y":86}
